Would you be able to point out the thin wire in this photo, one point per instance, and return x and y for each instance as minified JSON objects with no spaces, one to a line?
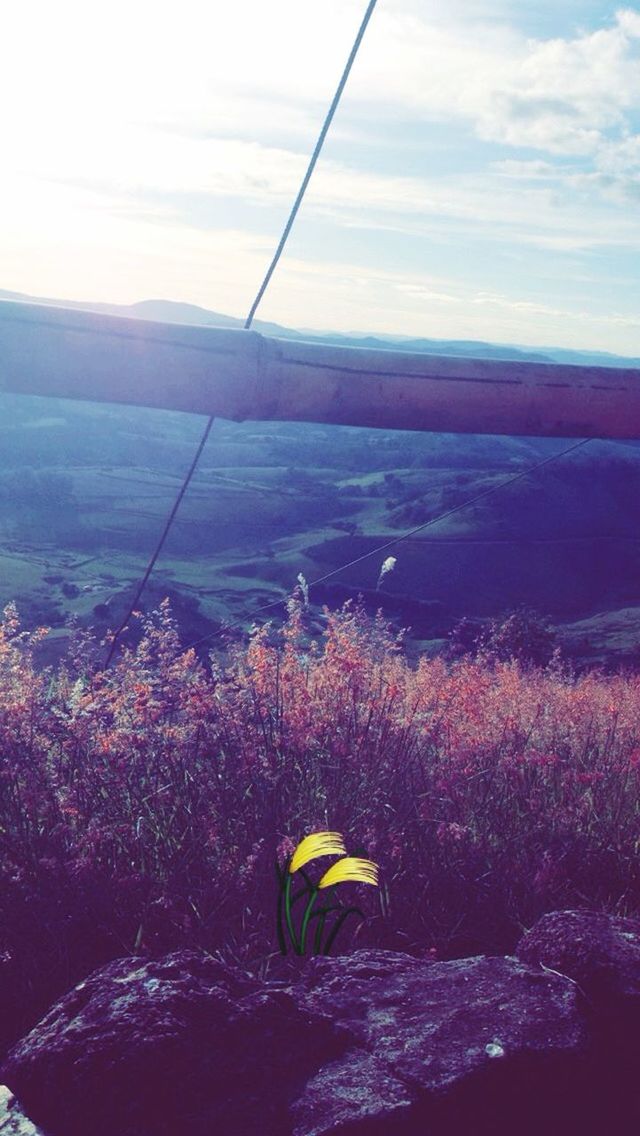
{"x":165,"y":532}
{"x":252,"y":311}
{"x":313,"y":160}
{"x":399,"y":539}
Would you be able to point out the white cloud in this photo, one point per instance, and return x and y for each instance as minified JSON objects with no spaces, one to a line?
{"x":57,"y":249}
{"x":621,"y":155}
{"x":441,"y":307}
{"x":526,"y":170}
{"x":629,"y":22}
{"x":72,"y":243}
{"x":214,"y":66}
{"x":117,"y":127}
{"x":558,"y":95}
{"x":133,"y":170}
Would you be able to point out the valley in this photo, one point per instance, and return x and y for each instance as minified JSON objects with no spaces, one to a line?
{"x":85,"y":490}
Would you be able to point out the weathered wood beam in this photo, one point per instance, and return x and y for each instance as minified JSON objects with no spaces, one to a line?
{"x":238,"y":375}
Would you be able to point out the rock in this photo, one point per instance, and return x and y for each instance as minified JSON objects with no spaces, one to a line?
{"x":376,"y":1043}
{"x":154,"y":1048}
{"x":13,"y":1121}
{"x":377,"y":1040}
{"x":600,"y":952}
{"x":484,"y":1044}
{"x":358,"y":1090}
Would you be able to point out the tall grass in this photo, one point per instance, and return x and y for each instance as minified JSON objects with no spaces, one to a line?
{"x":142,"y":808}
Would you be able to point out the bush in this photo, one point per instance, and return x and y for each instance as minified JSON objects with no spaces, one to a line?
{"x":142,"y":808}
{"x":523,"y":636}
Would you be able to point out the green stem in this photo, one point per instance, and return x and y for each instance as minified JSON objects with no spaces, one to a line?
{"x":332,"y":937}
{"x":320,"y":915}
{"x":306,"y":917}
{"x":319,"y":929}
{"x":286,"y":902}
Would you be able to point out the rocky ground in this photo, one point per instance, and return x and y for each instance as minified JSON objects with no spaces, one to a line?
{"x":365,"y":1044}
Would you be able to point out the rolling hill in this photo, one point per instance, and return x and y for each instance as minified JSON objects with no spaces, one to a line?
{"x":86,"y":487}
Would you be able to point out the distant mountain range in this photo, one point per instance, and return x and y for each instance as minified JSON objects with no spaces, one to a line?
{"x":171,"y":311}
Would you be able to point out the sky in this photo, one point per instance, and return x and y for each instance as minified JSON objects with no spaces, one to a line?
{"x":481,"y":179}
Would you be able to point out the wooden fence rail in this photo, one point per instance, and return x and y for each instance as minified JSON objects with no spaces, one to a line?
{"x":238,"y":375}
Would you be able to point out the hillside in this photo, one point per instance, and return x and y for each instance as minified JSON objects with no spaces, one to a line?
{"x":85,"y":489}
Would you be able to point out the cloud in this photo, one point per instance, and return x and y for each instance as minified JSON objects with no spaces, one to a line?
{"x":141,"y":151}
{"x":613,"y":176}
{"x":251,"y":66}
{"x":166,"y":178}
{"x":116,"y":260}
{"x":620,"y":155}
{"x":559,"y":95}
{"x":124,"y":99}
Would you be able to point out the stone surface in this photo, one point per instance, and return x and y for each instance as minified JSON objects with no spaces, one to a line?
{"x":160,"y":1047}
{"x":376,"y":1043}
{"x":599,"y":952}
{"x":461,"y":1040}
{"x":375,"y":1038}
{"x":13,"y":1121}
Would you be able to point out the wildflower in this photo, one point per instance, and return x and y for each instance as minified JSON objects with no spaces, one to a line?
{"x":304,"y":588}
{"x":387,"y":566}
{"x":350,"y":868}
{"x":317,"y":844}
{"x":345,"y":869}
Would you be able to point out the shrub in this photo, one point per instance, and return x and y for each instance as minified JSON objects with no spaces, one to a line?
{"x":142,"y":808}
{"x":523,"y":636}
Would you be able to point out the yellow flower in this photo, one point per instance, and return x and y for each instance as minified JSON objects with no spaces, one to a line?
{"x":350,"y":868}
{"x":317,"y":844}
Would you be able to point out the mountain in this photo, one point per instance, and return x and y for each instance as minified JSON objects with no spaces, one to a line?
{"x":171,"y":311}
{"x":165,"y":311}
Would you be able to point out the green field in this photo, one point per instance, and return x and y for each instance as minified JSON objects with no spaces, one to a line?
{"x":86,"y":490}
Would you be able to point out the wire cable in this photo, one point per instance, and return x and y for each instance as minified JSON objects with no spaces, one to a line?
{"x":313,"y":160}
{"x":252,"y":311}
{"x":165,"y":532}
{"x":399,"y":539}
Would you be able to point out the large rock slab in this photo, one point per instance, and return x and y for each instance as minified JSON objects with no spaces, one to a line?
{"x":168,"y":1046}
{"x":482,"y":1044}
{"x":374,"y":1043}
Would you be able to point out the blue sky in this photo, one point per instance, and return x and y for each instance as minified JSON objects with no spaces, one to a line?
{"x":481,"y":180}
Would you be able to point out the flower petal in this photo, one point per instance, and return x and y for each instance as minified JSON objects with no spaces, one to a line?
{"x":350,"y":868}
{"x":317,"y":844}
